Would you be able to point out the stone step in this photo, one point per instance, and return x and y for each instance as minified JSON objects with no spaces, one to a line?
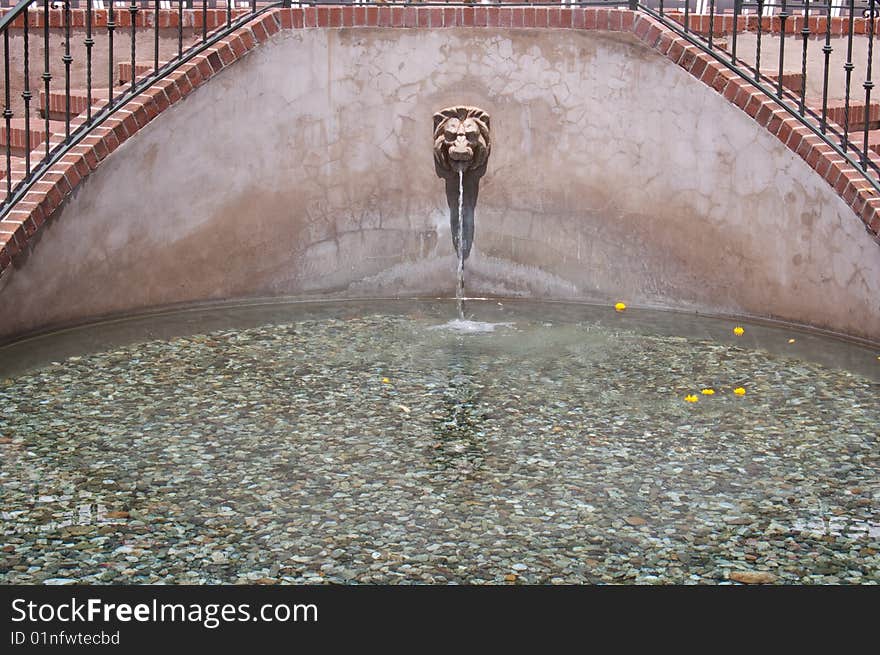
{"x":858,"y":116}
{"x":16,"y":138}
{"x":78,"y":101}
{"x":873,"y":141}
{"x":141,"y":68}
{"x":18,"y":170}
{"x":791,"y":80}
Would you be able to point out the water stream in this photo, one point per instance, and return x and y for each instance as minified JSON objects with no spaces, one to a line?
{"x":459,"y":288}
{"x":463,"y":324}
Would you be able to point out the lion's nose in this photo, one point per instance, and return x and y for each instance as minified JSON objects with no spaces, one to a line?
{"x":461,"y":147}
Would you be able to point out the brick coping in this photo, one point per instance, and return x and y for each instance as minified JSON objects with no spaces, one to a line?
{"x":818,"y":26}
{"x":145,"y":17}
{"x":20,"y":226}
{"x":195,"y":17}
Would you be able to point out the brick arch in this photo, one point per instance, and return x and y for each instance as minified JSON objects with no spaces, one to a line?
{"x":20,"y":227}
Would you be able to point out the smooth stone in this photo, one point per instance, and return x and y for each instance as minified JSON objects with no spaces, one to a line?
{"x":752,"y":577}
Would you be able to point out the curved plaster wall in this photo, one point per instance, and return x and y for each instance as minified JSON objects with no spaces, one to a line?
{"x":306,"y":168}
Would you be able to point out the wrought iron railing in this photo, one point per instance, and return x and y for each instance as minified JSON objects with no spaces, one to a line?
{"x":44,"y":59}
{"x":35,"y":139}
{"x":845,"y":119}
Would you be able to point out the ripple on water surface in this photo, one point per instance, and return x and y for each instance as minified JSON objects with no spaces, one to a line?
{"x":351,"y":444}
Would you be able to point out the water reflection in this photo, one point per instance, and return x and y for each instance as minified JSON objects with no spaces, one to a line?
{"x":458,"y":425}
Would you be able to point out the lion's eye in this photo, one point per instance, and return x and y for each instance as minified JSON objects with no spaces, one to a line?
{"x":450,"y":135}
{"x":473,"y":135}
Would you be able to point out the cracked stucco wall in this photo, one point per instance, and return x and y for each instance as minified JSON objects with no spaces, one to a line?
{"x":306,"y":169}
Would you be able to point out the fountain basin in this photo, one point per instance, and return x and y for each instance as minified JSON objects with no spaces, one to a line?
{"x":355,"y":442}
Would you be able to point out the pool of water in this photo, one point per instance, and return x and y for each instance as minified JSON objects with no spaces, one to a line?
{"x":387,"y":442}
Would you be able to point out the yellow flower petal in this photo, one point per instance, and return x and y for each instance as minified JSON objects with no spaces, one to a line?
{"x":708,"y":392}
{"x":739,"y":391}
{"x":386,"y":381}
{"x":691,"y":399}
{"x":738,"y":331}
{"x":791,"y":341}
{"x":620,"y":306}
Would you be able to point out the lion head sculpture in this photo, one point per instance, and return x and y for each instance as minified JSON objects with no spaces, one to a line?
{"x":461,"y":140}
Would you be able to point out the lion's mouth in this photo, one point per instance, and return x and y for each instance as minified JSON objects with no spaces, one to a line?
{"x":461,"y":154}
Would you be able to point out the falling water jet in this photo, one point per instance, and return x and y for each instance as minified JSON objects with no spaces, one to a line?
{"x":462,"y":144}
{"x":459,"y":288}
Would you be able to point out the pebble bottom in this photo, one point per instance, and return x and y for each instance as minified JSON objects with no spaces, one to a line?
{"x":374,"y":449}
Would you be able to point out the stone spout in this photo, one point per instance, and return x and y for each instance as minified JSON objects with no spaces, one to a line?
{"x":462,"y":144}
